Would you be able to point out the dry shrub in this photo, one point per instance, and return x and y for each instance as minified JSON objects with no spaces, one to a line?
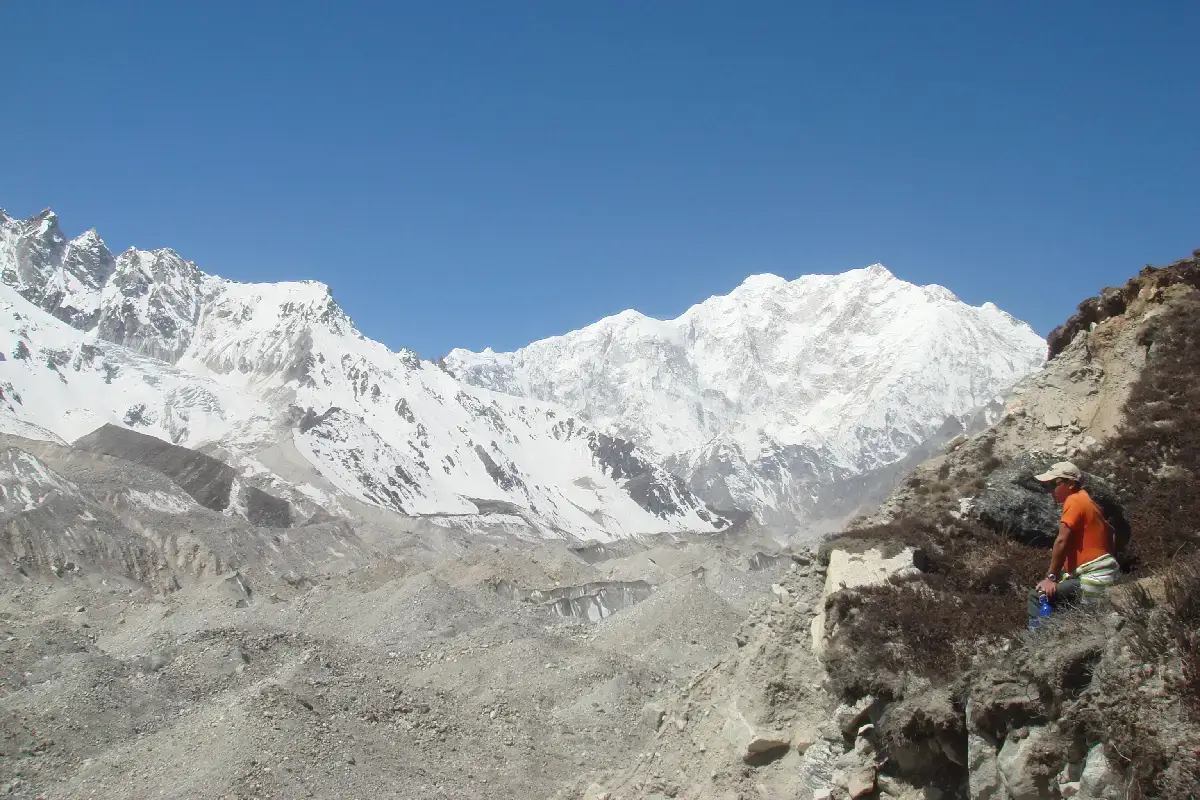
{"x":1159,"y":633}
{"x":972,"y":588}
{"x":1155,"y":459}
{"x":894,"y":632}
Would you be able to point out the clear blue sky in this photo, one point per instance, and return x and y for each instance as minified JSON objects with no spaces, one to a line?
{"x":493,"y":172}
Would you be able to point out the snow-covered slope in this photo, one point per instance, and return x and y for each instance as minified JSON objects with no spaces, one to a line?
{"x":779,"y":393}
{"x":275,"y":379}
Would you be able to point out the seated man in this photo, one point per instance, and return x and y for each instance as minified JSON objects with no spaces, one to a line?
{"x":1082,"y":565}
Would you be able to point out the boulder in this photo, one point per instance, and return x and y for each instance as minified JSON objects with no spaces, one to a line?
{"x":803,"y":738}
{"x":892,"y":785}
{"x":749,"y":737}
{"x":851,"y":570}
{"x":596,"y":792}
{"x":855,"y":770}
{"x":760,"y":745}
{"x":860,"y":782}
{"x":1014,"y":503}
{"x":1101,"y":780}
{"x":1021,"y":770}
{"x":1055,"y":419}
{"x":849,"y":718}
{"x":652,"y":716}
{"x":998,"y":706}
{"x":983,"y":769}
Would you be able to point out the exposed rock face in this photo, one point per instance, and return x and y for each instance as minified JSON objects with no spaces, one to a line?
{"x":1112,"y":302}
{"x":63,"y":277}
{"x":211,"y":483}
{"x":984,"y":781}
{"x":591,"y":601}
{"x":852,"y":570}
{"x":1101,"y":780}
{"x":1022,"y":771}
{"x":1015,"y":504}
{"x":151,"y":303}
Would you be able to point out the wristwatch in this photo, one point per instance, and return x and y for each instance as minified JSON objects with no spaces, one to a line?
{"x":1050,"y":576}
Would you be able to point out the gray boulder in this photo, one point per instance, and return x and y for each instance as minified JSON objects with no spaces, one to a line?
{"x":1015,"y":504}
{"x":1101,"y":780}
{"x":1021,"y":772}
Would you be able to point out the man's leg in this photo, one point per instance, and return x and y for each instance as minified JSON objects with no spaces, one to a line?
{"x":1033,"y":607}
{"x":1070,"y":593}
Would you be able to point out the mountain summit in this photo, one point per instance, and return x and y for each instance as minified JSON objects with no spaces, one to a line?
{"x":782,"y":397}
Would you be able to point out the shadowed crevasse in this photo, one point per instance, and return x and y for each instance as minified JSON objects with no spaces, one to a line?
{"x":589,"y":601}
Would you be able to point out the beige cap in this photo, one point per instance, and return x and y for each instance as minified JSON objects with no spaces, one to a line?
{"x":1063,"y":469}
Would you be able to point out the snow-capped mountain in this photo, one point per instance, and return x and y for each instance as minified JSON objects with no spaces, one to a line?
{"x":275,"y":379}
{"x":782,"y":397}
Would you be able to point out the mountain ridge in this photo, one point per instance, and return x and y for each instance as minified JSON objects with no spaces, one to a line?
{"x":779,"y":388}
{"x":148,"y":341}
{"x":775,"y":399}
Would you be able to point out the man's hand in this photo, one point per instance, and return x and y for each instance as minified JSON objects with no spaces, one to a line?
{"x":1048,"y":588}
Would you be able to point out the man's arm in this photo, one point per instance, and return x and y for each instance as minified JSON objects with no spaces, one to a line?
{"x":1058,"y":557}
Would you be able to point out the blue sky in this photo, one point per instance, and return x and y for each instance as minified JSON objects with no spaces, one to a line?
{"x":490,"y":173}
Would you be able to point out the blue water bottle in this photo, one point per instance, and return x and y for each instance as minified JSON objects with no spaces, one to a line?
{"x":1044,"y":610}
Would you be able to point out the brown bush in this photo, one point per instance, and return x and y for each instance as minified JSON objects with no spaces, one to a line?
{"x":973,"y":587}
{"x":893,"y":632}
{"x":1154,"y":461}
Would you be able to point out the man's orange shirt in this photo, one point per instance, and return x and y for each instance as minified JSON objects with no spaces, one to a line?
{"x":1089,"y":537}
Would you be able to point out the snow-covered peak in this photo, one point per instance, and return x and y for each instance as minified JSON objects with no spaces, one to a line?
{"x":48,"y":221}
{"x":763,"y":282}
{"x":833,"y":373}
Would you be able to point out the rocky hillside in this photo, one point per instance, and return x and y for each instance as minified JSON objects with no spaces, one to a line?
{"x":158,"y":641}
{"x":790,"y":399}
{"x":894,"y":663}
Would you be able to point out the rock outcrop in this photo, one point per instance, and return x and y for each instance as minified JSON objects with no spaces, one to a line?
{"x":211,"y":483}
